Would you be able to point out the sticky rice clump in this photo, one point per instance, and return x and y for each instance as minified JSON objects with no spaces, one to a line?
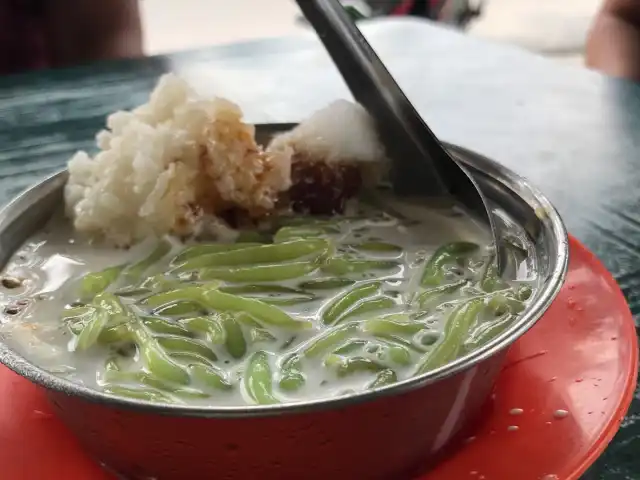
{"x":334,"y":154}
{"x":171,"y":166}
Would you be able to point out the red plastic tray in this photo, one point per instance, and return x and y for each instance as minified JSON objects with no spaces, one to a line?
{"x":581,"y":358}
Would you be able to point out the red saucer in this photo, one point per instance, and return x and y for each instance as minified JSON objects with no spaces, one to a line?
{"x":581,"y":359}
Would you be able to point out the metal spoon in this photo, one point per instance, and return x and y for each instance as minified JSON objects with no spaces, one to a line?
{"x":420,"y":164}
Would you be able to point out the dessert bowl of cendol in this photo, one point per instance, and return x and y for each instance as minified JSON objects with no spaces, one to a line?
{"x":206,"y":298}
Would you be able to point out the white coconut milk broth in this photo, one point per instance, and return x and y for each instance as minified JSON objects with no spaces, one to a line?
{"x":53,"y":261}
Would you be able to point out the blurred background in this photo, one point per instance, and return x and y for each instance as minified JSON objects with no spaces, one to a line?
{"x":553,"y":28}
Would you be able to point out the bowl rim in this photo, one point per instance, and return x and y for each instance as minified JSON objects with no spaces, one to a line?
{"x":546,"y":295}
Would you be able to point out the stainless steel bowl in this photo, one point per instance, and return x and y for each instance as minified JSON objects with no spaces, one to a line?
{"x":381,"y":434}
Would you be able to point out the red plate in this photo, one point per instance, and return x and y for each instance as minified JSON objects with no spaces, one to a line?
{"x":580,"y":359}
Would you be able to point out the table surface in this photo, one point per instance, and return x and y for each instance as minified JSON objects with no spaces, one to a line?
{"x":572,"y":132}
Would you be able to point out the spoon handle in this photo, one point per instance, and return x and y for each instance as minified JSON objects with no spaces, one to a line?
{"x":401,"y":129}
{"x":420,"y":164}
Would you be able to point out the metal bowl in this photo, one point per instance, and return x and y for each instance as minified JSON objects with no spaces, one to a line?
{"x":380,"y":434}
